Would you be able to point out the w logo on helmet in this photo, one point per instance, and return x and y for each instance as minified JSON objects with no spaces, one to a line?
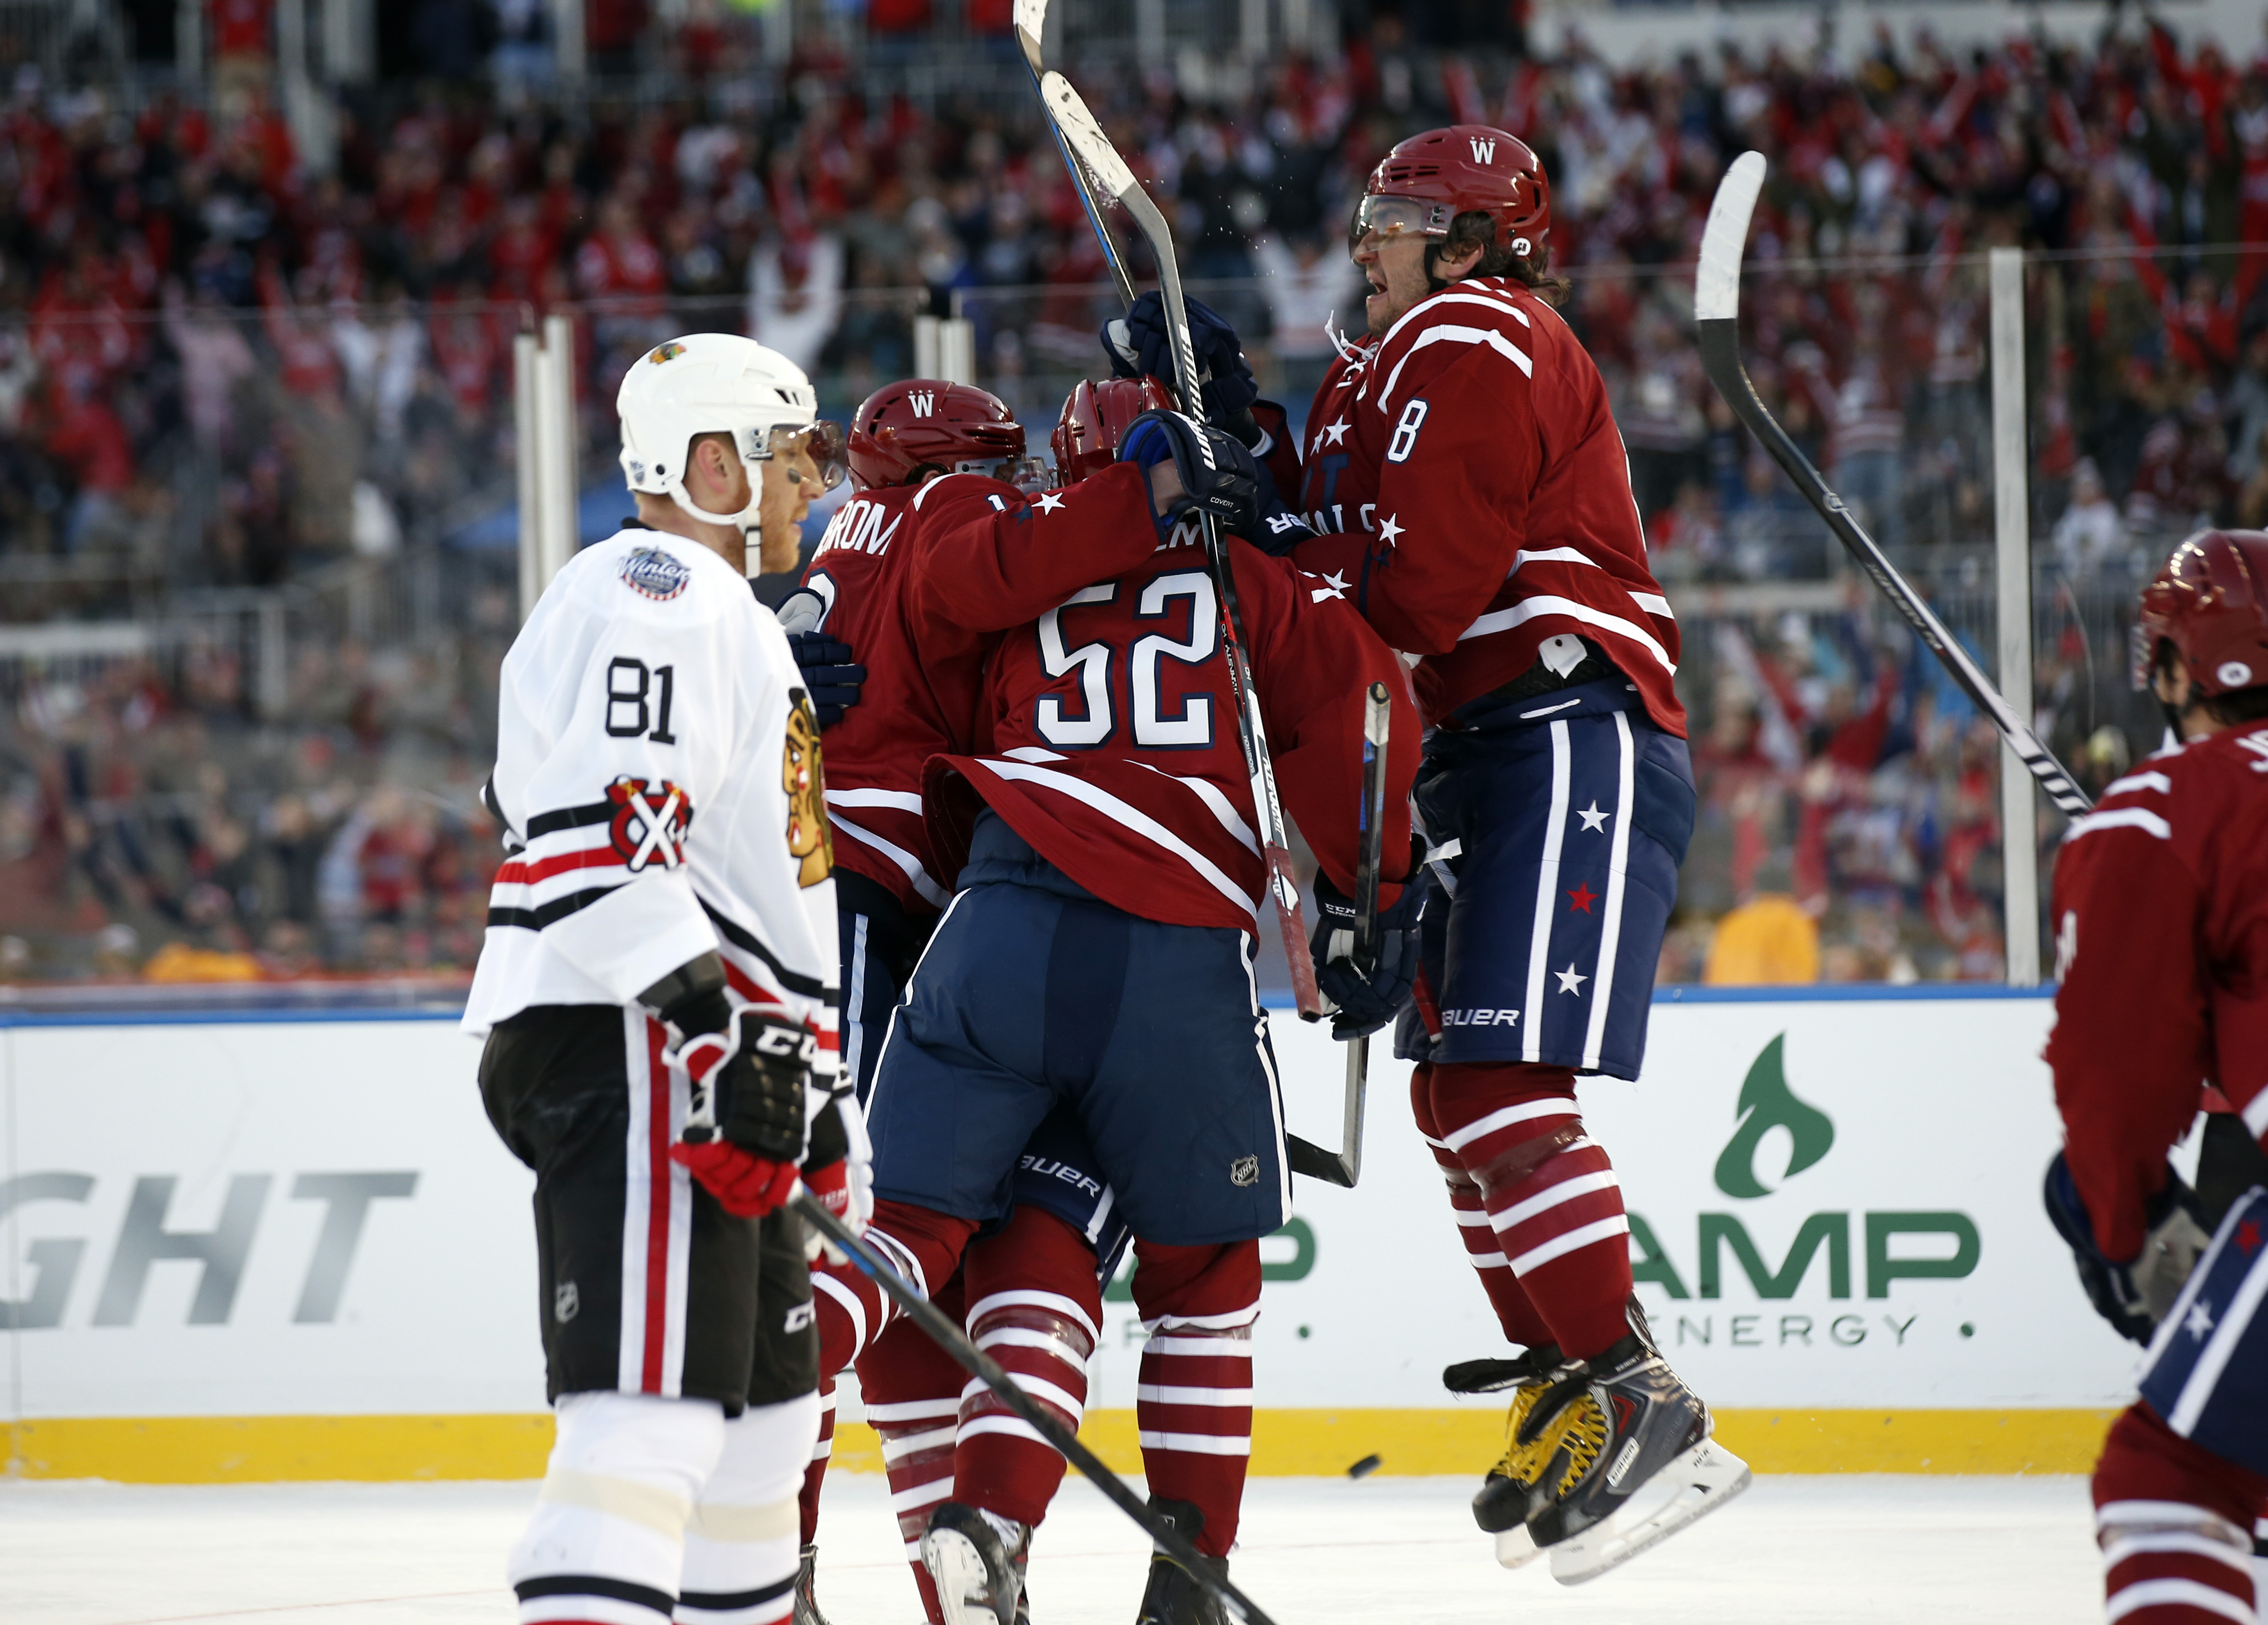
{"x":923,"y":400}
{"x":1483,"y":150}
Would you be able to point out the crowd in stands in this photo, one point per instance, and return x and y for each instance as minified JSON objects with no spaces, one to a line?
{"x":220,"y":366}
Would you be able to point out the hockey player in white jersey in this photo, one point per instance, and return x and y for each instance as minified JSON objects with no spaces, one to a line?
{"x":657,"y":992}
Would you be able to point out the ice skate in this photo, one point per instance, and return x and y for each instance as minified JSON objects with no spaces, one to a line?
{"x":1174,"y":1595}
{"x":977,"y":1561}
{"x":806,"y":1603}
{"x":1623,"y":1459}
{"x":1508,"y":1497}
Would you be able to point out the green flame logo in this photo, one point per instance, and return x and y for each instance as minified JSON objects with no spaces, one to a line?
{"x":1766,"y":1103}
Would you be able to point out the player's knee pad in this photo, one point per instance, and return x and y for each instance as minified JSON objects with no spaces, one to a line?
{"x":625,"y":1472}
{"x":922,"y":1245}
{"x":1500,"y":1121}
{"x":741,"y":1540}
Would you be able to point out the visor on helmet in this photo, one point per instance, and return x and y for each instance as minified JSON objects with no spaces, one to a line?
{"x":817,"y":452}
{"x":1383,"y":215}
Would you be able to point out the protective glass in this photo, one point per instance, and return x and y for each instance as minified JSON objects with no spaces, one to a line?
{"x":1381,"y":216}
{"x":820,"y":453}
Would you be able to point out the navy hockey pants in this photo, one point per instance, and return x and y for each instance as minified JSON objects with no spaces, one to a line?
{"x":1557,"y":824}
{"x":1034,"y":995}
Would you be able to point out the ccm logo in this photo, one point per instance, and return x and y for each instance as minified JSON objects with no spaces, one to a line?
{"x":220,"y":1253}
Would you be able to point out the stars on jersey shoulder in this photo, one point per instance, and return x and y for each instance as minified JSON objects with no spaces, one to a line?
{"x":1389,"y":530}
{"x":1334,"y":586}
{"x":1049,"y":501}
{"x":1330,"y":434}
{"x":2198,"y":1324}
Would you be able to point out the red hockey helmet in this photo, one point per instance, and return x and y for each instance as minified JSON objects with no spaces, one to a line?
{"x":919,"y":423}
{"x":2210,"y":601}
{"x":1428,"y":180}
{"x":1094,"y":415}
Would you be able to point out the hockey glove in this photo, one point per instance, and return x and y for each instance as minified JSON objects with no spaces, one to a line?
{"x":1219,"y":476}
{"x":1364,"y":999}
{"x":2136,"y":1295}
{"x":829,"y":675}
{"x":744,"y":1128}
{"x":1137,"y":346}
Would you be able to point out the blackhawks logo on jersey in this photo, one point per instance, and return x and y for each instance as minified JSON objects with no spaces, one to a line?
{"x":808,"y":840}
{"x":650,"y":824}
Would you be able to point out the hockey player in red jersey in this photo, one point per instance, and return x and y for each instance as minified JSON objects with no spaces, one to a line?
{"x":2161,"y":950}
{"x":923,"y":674}
{"x":1109,"y":866}
{"x":1474,"y":496}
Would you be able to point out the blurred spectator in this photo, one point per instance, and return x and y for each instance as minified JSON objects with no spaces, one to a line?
{"x":1768,"y":938}
{"x":2090,"y":534}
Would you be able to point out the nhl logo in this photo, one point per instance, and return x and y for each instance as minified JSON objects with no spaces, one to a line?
{"x":565,"y":1302}
{"x":651,"y":573}
{"x":1244,"y":1171}
{"x":667,"y":352}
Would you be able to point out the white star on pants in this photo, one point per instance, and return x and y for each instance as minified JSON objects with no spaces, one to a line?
{"x":1570,"y":980}
{"x":2200,"y":1323}
{"x":1593,"y":818}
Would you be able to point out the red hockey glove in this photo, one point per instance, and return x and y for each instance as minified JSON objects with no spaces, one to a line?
{"x":746,"y":1186}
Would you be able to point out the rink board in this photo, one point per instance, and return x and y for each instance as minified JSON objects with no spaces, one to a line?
{"x":291,"y":1248}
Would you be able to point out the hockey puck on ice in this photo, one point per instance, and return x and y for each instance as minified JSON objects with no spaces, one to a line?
{"x":1364,"y":1468}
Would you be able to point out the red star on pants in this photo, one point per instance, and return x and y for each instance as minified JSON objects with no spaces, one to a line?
{"x":2248,"y":1236}
{"x":1581,"y":897}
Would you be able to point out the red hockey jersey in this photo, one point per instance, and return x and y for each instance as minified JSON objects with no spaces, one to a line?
{"x":1113,"y":744}
{"x":2161,"y":948}
{"x":1474,"y":495}
{"x":924,"y":670}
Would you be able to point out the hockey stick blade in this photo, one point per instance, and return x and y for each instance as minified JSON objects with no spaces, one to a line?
{"x":1083,"y":135}
{"x":1031,"y":25}
{"x":1716,"y":308}
{"x":949,"y":1337}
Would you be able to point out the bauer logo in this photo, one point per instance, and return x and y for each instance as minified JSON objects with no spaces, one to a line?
{"x":1780,"y":1169}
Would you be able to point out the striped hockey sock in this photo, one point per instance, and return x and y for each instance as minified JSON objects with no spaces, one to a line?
{"x":1036,"y":1307}
{"x":814,"y":1476}
{"x":1514,"y":1310}
{"x":1193,"y":1404}
{"x":913,"y":1400}
{"x":2174,"y":1524}
{"x":1552,"y":1195}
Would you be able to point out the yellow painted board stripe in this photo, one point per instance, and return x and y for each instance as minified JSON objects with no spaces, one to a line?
{"x":211,"y":1449}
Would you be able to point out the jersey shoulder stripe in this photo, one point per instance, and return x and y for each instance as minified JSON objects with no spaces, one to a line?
{"x":2118,"y":818}
{"x":1453,"y":333}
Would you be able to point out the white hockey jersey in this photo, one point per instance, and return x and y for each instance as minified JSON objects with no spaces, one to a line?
{"x":657,"y":775}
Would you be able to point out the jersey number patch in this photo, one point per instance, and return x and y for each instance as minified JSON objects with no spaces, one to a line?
{"x":1405,"y":432}
{"x":1189,"y":725}
{"x":630,"y":715}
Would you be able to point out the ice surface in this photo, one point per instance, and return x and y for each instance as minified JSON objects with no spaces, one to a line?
{"x":1952,"y":1551}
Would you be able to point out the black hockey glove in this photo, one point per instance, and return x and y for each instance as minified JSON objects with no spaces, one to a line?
{"x":744,"y":1125}
{"x":2136,"y":1295}
{"x":1218,"y":475}
{"x":829,"y":675}
{"x":1136,"y":345}
{"x":1368,"y":997}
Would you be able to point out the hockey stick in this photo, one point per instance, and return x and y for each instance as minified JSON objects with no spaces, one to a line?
{"x":1031,"y":23}
{"x":987,"y":1370}
{"x":1716,"y":310}
{"x":1345,"y":1167}
{"x":1077,"y":127}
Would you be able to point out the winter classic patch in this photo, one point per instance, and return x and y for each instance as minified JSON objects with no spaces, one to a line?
{"x":651,"y":573}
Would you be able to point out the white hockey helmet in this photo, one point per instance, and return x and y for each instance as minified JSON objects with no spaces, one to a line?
{"x":706,"y":383}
